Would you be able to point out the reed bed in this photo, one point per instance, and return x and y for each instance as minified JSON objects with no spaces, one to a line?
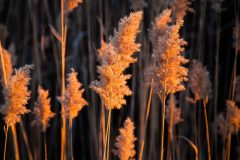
{"x":160,"y":79}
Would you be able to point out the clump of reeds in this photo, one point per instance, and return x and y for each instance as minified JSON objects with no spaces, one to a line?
{"x":200,"y":85}
{"x":124,"y":145}
{"x":114,"y":57}
{"x":166,"y":70}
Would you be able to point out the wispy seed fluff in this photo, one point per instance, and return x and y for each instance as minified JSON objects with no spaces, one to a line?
{"x":173,"y":114}
{"x":16,"y":95}
{"x":114,"y":58}
{"x":199,"y":80}
{"x":72,"y":100}
{"x":42,"y":109}
{"x":181,"y":7}
{"x":124,"y":145}
{"x":7,"y":63}
{"x":233,"y":116}
{"x":166,"y":69}
{"x":71,"y":5}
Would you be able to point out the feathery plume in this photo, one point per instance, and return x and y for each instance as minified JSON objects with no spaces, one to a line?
{"x":220,"y":123}
{"x":173,"y":114}
{"x":125,"y":141}
{"x":72,"y":100}
{"x":200,"y":83}
{"x":42,"y":109}
{"x":16,"y":95}
{"x":180,"y":8}
{"x":233,"y":116}
{"x":167,"y":70}
{"x":71,"y":5}
{"x":114,"y":58}
{"x":160,"y":25}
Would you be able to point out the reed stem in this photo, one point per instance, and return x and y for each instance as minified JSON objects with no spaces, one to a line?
{"x":5,"y":143}
{"x":45,"y":146}
{"x":146,"y":121}
{"x":207,"y":130}
{"x":15,"y":141}
{"x":163,"y":99}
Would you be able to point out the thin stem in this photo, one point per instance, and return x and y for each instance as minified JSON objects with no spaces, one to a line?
{"x":2,"y":64}
{"x":170,"y":134}
{"x":163,"y":99}
{"x":63,"y":136}
{"x":25,"y":139}
{"x":5,"y":143}
{"x":105,"y":156}
{"x":229,"y":146}
{"x":71,"y":137}
{"x":207,"y":131}
{"x":146,"y":121}
{"x":15,"y":141}
{"x":45,"y":145}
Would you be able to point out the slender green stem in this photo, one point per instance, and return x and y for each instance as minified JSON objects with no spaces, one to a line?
{"x":207,"y":130}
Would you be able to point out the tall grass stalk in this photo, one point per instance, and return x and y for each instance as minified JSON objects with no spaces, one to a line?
{"x":146,"y":121}
{"x":63,"y":129}
{"x":207,"y":130}
{"x":108,"y":133}
{"x":163,"y":110}
{"x":5,"y":142}
{"x":15,"y":141}
{"x":45,"y":145}
{"x":229,"y":146}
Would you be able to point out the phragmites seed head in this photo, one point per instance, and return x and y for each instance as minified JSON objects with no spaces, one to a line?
{"x":220,"y":124}
{"x":72,"y":100}
{"x":173,"y":114}
{"x":233,"y":116}
{"x":160,"y":25}
{"x":166,"y":69}
{"x":114,"y":58}
{"x":200,"y":83}
{"x":124,"y":145}
{"x":42,"y":109}
{"x":71,"y":5}
{"x":7,"y":60}
{"x":237,"y":89}
{"x":180,"y":8}
{"x":16,"y":95}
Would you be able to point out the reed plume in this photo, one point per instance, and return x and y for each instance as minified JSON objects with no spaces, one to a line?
{"x":180,"y":8}
{"x":124,"y":145}
{"x":199,"y":81}
{"x":42,"y":109}
{"x":233,"y":117}
{"x":72,"y":100}
{"x":166,"y":70}
{"x":114,"y":58}
{"x":71,"y":5}
{"x":16,"y":95}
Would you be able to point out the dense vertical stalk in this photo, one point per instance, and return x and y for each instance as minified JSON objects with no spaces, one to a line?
{"x":45,"y":145}
{"x":5,"y":142}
